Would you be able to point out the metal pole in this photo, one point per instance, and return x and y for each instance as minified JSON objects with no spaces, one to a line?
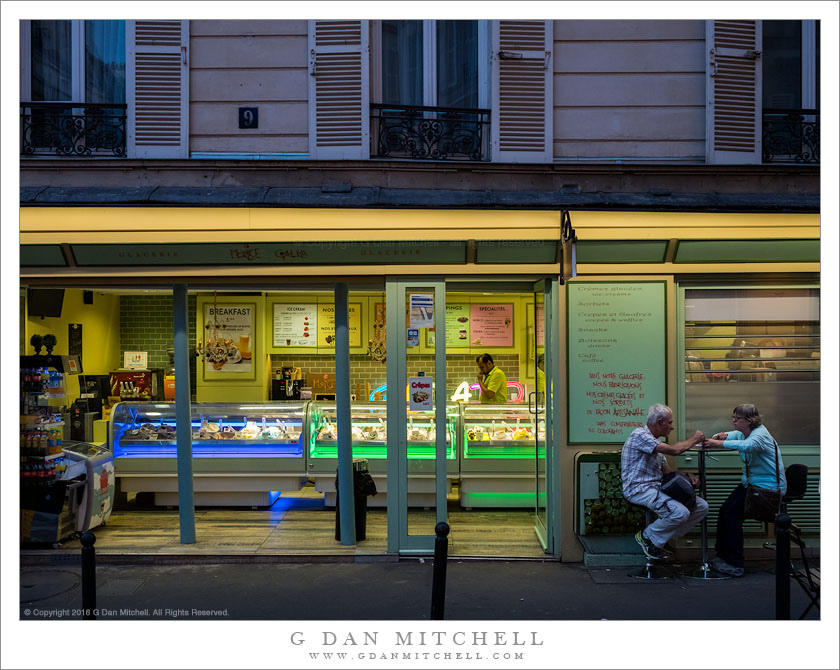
{"x":183,"y":421}
{"x":440,"y":402}
{"x":704,"y":527}
{"x":88,"y":539}
{"x":345,"y":502}
{"x":783,"y":567}
{"x":439,"y":574}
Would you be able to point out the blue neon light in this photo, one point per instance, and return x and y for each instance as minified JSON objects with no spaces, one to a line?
{"x":379,"y":389}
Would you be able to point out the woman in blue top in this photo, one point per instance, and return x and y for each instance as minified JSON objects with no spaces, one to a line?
{"x":756,"y":446}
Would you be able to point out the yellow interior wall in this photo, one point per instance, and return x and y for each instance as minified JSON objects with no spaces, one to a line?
{"x":520,"y":302}
{"x":100,"y":334}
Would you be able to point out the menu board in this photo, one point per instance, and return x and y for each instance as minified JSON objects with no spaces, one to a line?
{"x":617,"y":353}
{"x":491,"y":325}
{"x":295,"y":325}
{"x":326,"y":325}
{"x":457,"y":326}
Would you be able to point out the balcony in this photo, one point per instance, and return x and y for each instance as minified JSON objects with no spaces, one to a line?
{"x":790,"y":136}
{"x":430,"y":133}
{"x":72,"y":129}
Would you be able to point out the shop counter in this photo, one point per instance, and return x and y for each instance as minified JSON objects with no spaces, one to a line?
{"x":498,"y":460}
{"x":369,"y":441}
{"x":243,"y":454}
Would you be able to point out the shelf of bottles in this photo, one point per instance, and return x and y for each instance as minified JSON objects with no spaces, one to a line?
{"x":41,"y":427}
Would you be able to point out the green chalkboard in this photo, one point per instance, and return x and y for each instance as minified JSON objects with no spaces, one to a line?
{"x":617,"y":353}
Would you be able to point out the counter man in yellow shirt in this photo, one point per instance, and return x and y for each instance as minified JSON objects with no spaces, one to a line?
{"x":492,"y":381}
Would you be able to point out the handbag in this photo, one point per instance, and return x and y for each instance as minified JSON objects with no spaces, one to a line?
{"x":677,"y":486}
{"x":763,"y":504}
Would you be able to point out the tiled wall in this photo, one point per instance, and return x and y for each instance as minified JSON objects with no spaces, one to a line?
{"x":146,"y":325}
{"x":459,"y":367}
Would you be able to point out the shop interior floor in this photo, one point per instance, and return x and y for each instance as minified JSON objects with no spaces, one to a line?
{"x":299,"y":523}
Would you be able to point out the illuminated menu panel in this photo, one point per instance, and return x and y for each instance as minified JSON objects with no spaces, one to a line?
{"x":616,"y":335}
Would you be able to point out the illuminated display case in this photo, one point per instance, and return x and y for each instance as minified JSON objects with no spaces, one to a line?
{"x":369,"y":439}
{"x":497,"y":432}
{"x":498,"y":459}
{"x":237,"y":448}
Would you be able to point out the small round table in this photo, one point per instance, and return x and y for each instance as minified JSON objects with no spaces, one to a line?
{"x":705,"y":570}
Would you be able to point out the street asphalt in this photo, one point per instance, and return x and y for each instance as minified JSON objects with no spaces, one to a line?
{"x":474,"y":590}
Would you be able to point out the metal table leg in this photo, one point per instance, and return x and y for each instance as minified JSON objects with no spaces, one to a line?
{"x":705,"y":570}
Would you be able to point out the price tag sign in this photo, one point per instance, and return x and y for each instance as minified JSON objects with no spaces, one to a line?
{"x":420,"y":393}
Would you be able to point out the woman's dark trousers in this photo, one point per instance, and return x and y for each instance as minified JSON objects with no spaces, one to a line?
{"x":729,"y":544}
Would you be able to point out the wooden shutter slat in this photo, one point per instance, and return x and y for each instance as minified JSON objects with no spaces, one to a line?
{"x":339,"y":114}
{"x":734,"y":92}
{"x":159,"y":89}
{"x":522,"y":91}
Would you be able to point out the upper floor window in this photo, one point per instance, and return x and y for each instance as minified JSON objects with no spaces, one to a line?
{"x":431,"y":63}
{"x":431,"y":96}
{"x":73,"y":88}
{"x":790,"y":93}
{"x":75,"y":61}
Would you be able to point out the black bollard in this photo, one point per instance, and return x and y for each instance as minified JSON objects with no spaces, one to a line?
{"x":88,"y":575}
{"x":783,"y":567}
{"x":439,"y":574}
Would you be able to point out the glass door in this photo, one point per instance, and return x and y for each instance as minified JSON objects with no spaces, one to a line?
{"x":421,"y":432}
{"x":542,"y":339}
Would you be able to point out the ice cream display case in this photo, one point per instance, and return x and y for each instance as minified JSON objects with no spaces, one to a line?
{"x":243,"y":454}
{"x":369,"y":440}
{"x":498,"y":461}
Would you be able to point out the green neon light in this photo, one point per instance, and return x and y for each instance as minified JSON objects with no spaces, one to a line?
{"x":506,"y":495}
{"x":417,"y":452}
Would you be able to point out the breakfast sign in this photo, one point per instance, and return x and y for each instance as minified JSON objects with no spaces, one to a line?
{"x":616,"y":370}
{"x":230,"y":328}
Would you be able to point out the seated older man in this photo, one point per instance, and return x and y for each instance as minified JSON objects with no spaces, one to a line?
{"x":642,"y":466}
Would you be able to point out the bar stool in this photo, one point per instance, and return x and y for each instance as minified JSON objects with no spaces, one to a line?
{"x":648,"y":572}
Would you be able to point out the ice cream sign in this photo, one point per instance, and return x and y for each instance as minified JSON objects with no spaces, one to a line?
{"x":420,"y":393}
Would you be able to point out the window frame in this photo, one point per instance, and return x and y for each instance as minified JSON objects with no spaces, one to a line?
{"x":681,"y":288}
{"x":77,"y":60}
{"x":430,"y":62}
{"x":809,"y":64}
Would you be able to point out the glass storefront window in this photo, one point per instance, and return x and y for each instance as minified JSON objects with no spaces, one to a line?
{"x":759,"y":346}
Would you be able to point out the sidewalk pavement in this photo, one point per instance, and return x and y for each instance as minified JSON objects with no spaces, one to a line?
{"x":475,"y":590}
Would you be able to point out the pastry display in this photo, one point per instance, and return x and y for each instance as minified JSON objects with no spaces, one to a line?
{"x":270,"y":433}
{"x":250,"y":431}
{"x":499,"y":433}
{"x":226,"y":433}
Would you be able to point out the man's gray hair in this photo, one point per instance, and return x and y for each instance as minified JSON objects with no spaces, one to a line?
{"x":658,"y":412}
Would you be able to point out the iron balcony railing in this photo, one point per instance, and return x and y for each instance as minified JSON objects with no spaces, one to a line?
{"x":790,"y":136}
{"x":430,"y":133}
{"x":72,"y":129}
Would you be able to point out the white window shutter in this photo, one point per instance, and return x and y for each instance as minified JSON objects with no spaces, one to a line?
{"x":522,"y":91}
{"x":157,"y":83}
{"x":733,"y":92}
{"x":339,"y":90}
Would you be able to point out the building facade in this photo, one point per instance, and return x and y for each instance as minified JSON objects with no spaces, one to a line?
{"x":641,"y":197}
